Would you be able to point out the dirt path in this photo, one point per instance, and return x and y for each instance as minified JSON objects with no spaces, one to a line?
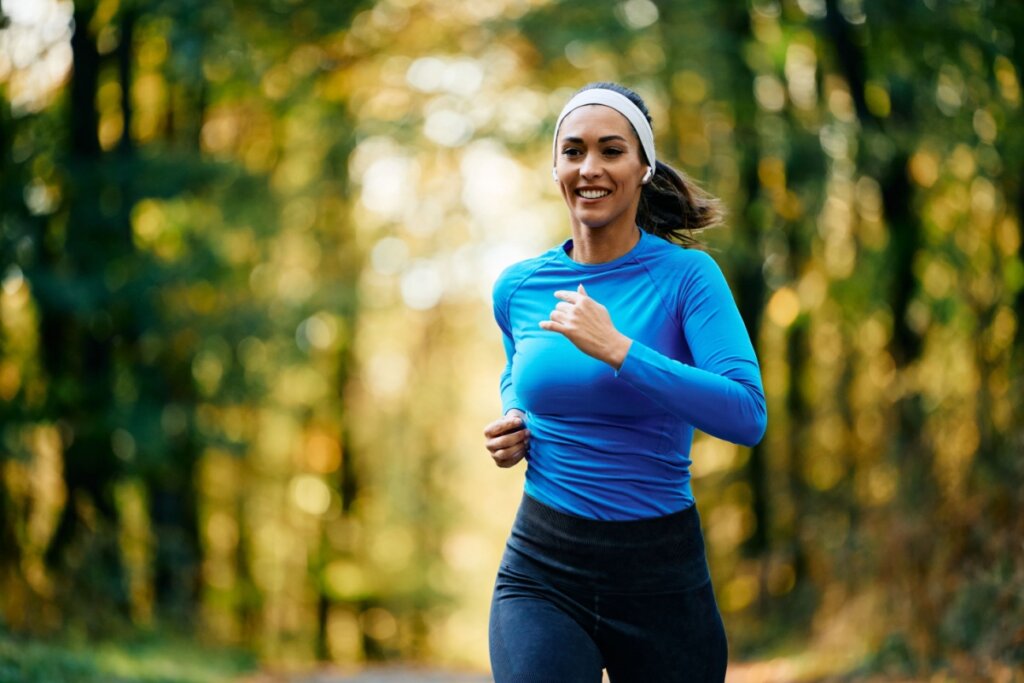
{"x":375,"y":675}
{"x":779,"y":670}
{"x":761,"y":672}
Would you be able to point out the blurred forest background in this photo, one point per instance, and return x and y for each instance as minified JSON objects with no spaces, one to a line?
{"x":246,"y":343}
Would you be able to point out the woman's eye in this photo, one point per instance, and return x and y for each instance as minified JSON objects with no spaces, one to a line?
{"x":613,"y":151}
{"x":571,"y":152}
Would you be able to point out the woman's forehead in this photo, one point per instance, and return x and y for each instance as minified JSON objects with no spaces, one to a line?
{"x":595,"y":120}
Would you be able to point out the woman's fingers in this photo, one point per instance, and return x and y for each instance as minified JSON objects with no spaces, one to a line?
{"x":572,"y":306}
{"x":509,"y":449}
{"x":508,"y":457}
{"x":507,"y":439}
{"x":587,"y":324}
{"x":503,"y":425}
{"x":564,"y":306}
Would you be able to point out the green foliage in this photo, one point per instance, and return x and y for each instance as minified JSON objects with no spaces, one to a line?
{"x":153,"y":659}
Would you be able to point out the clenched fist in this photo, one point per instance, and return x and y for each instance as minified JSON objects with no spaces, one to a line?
{"x":508,"y":438}
{"x":586,"y":323}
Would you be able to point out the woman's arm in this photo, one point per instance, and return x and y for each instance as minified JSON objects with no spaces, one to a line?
{"x":730,"y":405}
{"x":509,"y":400}
{"x":508,"y":440}
{"x":720,"y":394}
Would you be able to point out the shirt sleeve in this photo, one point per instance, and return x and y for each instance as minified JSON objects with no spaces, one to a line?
{"x":509,"y":400}
{"x":721,"y":394}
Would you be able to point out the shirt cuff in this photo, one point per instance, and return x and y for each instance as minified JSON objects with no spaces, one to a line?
{"x":637,"y":354}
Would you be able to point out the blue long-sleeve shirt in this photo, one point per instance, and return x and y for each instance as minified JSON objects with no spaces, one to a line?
{"x":609,"y":444}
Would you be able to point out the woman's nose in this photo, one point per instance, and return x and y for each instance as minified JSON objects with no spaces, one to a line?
{"x":591,"y":166}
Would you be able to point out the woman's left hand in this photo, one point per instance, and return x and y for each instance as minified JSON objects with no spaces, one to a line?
{"x":586,"y":323}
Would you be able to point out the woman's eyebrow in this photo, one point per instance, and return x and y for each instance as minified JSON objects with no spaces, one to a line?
{"x":606,"y":138}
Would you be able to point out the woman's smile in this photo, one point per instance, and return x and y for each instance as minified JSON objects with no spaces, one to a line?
{"x":592,"y":193}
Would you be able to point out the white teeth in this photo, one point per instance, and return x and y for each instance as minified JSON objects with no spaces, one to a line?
{"x":593,"y":194}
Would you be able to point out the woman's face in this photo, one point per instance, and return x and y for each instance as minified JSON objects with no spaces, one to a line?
{"x":599,"y":164}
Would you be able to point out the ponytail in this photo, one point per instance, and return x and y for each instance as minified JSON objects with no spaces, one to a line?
{"x":674,"y":207}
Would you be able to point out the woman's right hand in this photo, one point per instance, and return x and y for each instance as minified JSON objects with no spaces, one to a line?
{"x":508,"y":438}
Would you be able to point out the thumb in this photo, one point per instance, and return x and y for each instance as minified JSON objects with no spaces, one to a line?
{"x":581,"y":290}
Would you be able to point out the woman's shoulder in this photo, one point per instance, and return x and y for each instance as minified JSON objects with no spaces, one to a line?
{"x":685,"y":276}
{"x":515,"y":274}
{"x":679,"y":261}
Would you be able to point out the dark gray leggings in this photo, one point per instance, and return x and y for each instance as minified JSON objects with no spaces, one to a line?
{"x":575,"y":595}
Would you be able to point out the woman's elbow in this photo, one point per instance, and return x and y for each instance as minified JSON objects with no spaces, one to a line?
{"x":757,"y":430}
{"x":755,"y":424}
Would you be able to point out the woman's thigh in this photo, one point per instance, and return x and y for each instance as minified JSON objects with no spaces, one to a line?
{"x":536,"y":635}
{"x":664,"y":637}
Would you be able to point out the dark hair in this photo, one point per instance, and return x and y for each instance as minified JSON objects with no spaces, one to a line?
{"x":672,"y":206}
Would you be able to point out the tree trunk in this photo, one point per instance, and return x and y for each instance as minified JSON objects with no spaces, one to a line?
{"x":75,"y":336}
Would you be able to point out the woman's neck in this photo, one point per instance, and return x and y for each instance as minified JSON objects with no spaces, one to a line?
{"x":600,"y":245}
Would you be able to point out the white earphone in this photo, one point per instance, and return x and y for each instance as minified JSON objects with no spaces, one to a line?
{"x":554,"y":174}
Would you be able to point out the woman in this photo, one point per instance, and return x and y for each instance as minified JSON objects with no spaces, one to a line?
{"x":619,"y":344}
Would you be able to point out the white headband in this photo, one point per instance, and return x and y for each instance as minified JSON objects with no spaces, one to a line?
{"x":619,"y":103}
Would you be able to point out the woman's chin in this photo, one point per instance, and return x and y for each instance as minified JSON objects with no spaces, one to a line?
{"x":589,"y":218}
{"x":594,"y":222}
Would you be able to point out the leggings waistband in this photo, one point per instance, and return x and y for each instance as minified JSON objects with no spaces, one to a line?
{"x":658,"y":553}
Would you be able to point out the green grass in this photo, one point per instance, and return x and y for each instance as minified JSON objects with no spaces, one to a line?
{"x":149,"y":658}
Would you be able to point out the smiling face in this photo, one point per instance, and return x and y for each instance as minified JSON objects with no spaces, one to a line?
{"x":599,"y":164}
